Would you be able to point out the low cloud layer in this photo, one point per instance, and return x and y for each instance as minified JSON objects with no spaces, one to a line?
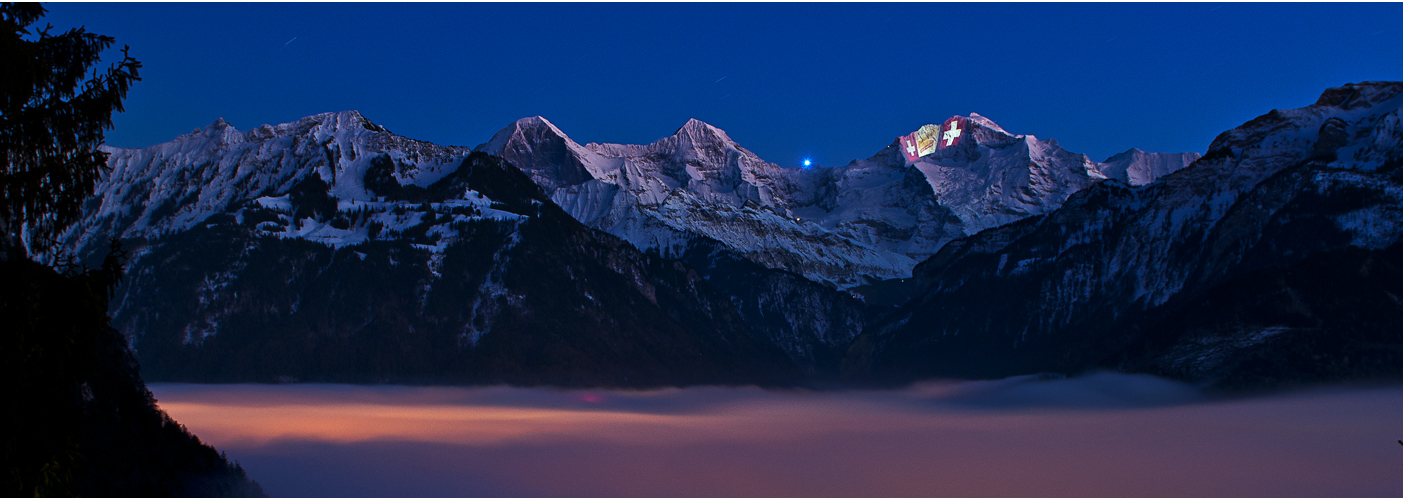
{"x":1101,"y":435}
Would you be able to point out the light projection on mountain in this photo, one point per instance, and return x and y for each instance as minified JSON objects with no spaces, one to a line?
{"x":930,"y":137}
{"x":954,"y":130}
{"x":921,"y":142}
{"x":908,"y":147}
{"x":926,"y":139}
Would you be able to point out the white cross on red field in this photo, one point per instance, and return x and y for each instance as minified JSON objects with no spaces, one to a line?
{"x":952,"y":134}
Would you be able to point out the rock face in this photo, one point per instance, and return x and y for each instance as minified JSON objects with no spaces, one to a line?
{"x":851,"y":225}
{"x":1213,"y":273}
{"x":330,"y":249}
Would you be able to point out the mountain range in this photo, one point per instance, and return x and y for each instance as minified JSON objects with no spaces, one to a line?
{"x":332,"y":249}
{"x":866,"y":221}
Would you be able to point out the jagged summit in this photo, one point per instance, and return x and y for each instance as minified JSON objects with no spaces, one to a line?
{"x":534,"y":130}
{"x":217,"y":130}
{"x":544,"y":152}
{"x":987,"y":123}
{"x":349,"y":120}
{"x":984,"y":132}
{"x":695,"y":141}
{"x":698,"y":130}
{"x":170,"y":187}
{"x":531,"y":127}
{"x":217,"y":124}
{"x":329,"y":122}
{"x":692,"y":141}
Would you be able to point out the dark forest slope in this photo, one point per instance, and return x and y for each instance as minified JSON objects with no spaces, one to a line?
{"x":82,"y":423}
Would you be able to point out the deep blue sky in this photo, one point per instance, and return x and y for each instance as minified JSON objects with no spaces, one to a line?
{"x":831,"y":81}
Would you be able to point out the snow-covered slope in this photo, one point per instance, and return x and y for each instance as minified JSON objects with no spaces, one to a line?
{"x":1137,"y":168}
{"x":699,"y":182}
{"x":171,"y":187}
{"x":848,"y":225}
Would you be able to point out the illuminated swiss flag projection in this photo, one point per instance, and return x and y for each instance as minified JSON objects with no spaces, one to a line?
{"x":953,"y":131}
{"x":931,"y":137}
{"x":909,"y":148}
{"x":926,"y":139}
{"x":921,"y":142}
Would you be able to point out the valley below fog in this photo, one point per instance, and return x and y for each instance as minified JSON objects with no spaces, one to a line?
{"x":1098,"y":435}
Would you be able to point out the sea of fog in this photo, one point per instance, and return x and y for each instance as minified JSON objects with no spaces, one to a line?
{"x":1100,"y":435}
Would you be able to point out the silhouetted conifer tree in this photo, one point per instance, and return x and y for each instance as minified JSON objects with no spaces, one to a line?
{"x":80,"y":421}
{"x":53,"y":113}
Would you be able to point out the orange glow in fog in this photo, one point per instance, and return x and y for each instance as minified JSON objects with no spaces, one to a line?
{"x":976,"y":439}
{"x":346,"y":422}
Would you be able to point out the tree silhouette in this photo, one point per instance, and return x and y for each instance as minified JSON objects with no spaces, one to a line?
{"x":82,"y":421}
{"x":53,"y":113}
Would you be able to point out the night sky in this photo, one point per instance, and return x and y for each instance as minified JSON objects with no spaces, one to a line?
{"x":829,"y":81}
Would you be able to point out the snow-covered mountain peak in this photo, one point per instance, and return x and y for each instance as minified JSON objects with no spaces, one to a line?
{"x":544,"y":152}
{"x":218,"y":131}
{"x":527,"y":132}
{"x":171,"y":187}
{"x":698,"y":141}
{"x":1130,"y":155}
{"x":695,"y":141}
{"x":975,"y":131}
{"x":218,"y":124}
{"x":699,"y":131}
{"x":988,"y":176}
{"x":342,"y":124}
{"x":985,"y":122}
{"x":1138,"y":167}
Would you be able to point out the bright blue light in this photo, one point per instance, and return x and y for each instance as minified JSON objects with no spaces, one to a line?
{"x":807,"y":162}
